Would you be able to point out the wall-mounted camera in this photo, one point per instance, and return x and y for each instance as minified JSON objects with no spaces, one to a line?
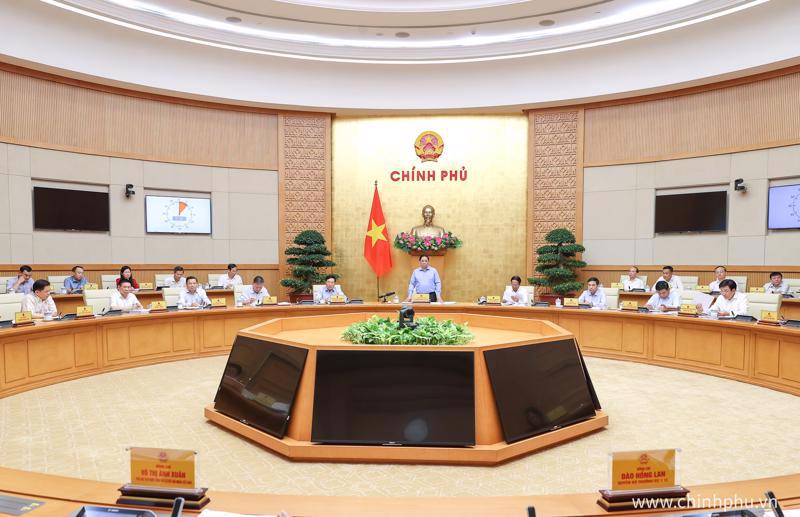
{"x":739,"y":186}
{"x":129,"y":190}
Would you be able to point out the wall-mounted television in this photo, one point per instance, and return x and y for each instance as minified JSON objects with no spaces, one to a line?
{"x":178,"y":214}
{"x":68,"y":209}
{"x":784,"y":207}
{"x":695,"y":212}
{"x":540,"y":388}
{"x":394,"y":398}
{"x":259,"y":384}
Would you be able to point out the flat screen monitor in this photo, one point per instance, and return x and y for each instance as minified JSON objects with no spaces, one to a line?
{"x":177,"y":215}
{"x":67,"y":209}
{"x":259,"y":384}
{"x":539,"y":388}
{"x":784,"y":207}
{"x":697,"y":212}
{"x":394,"y":398}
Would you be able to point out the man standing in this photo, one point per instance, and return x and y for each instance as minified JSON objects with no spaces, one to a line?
{"x":23,"y":283}
{"x":425,"y":280}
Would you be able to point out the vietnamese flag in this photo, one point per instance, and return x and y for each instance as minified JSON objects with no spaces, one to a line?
{"x":376,"y":241}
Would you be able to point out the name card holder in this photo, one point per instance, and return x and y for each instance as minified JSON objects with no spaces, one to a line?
{"x":339,"y":299}
{"x":493,"y":300}
{"x":421,"y":298}
{"x":617,"y":285}
{"x":769,"y":318}
{"x":688,"y":309}
{"x":269,"y":300}
{"x":158,"y":306}
{"x":84,"y":311}
{"x":89,"y":286}
{"x":23,"y":319}
{"x":218,"y":303}
{"x":644,"y":477}
{"x":630,"y":305}
{"x":702,"y":288}
{"x":145,"y":286}
{"x":571,"y":303}
{"x":756,"y":290}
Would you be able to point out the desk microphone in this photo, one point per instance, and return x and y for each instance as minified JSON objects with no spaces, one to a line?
{"x":177,"y":507}
{"x":382,"y":297}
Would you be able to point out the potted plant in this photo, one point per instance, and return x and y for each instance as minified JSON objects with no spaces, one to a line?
{"x":556,"y":263}
{"x":307,"y":258}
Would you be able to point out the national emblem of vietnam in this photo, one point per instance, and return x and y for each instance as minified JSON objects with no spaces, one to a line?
{"x":429,"y":146}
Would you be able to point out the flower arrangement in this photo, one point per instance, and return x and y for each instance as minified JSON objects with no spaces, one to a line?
{"x":429,"y":331}
{"x":411,"y":242}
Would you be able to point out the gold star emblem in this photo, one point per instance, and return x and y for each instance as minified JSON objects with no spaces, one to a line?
{"x":376,"y":232}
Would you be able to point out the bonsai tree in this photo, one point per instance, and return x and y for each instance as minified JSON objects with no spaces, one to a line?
{"x":307,"y":259}
{"x":557,"y":263}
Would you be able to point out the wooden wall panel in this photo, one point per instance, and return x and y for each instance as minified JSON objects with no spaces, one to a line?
{"x":555,"y":176}
{"x":754,"y":115}
{"x":52,"y":114}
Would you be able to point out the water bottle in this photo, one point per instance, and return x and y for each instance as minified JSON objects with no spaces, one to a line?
{"x":180,"y":305}
{"x":396,"y":299}
{"x":713,"y":314}
{"x":558,"y":302}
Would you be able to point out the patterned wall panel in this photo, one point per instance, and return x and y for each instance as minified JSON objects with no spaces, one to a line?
{"x":556,"y":174}
{"x":305,"y":177}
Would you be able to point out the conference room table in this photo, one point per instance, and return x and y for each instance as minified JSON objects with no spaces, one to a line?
{"x":790,"y":307}
{"x":69,"y":303}
{"x":51,"y":352}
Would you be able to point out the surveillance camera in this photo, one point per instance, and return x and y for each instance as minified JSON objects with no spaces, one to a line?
{"x":739,"y":186}
{"x":129,"y":190}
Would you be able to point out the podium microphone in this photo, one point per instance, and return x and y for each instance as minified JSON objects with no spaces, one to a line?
{"x":382,"y":297}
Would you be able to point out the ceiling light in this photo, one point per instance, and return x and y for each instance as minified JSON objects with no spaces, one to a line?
{"x":233,"y":19}
{"x":402,"y":34}
{"x":547,"y":23}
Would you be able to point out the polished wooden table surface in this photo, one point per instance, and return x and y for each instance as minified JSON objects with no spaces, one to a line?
{"x":48,"y":353}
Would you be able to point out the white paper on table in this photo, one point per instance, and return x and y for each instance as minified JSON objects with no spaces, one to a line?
{"x":705,"y":299}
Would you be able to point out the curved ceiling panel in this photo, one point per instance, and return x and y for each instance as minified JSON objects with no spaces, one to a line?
{"x":343,"y":31}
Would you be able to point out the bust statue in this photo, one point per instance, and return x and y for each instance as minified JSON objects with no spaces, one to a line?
{"x":427,"y":228}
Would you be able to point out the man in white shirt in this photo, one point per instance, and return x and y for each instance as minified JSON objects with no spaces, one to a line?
{"x":231,"y":279}
{"x":194,"y":295}
{"x":22,"y":283}
{"x":669,"y":277}
{"x":664,"y":299}
{"x":593,"y":295}
{"x":123,"y":298}
{"x":515,"y":294}
{"x":776,"y":285}
{"x":330,"y":289}
{"x":39,"y":302}
{"x":254,"y":294}
{"x":633,"y":281}
{"x":176,"y":280}
{"x":729,"y":302}
{"x":720,"y":273}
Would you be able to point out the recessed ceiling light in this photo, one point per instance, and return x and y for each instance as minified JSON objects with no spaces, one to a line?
{"x":233,"y":19}
{"x":379,"y":34}
{"x":547,"y":23}
{"x":402,"y":34}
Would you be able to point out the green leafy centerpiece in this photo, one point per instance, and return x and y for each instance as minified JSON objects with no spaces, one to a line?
{"x":429,"y":331}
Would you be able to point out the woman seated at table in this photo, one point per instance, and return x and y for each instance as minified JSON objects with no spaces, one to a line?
{"x":125,"y":273}
{"x":633,"y":281}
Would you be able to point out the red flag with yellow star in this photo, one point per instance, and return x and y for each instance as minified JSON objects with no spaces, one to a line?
{"x":376,"y":242}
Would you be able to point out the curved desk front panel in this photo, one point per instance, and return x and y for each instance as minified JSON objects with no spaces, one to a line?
{"x":52,"y":352}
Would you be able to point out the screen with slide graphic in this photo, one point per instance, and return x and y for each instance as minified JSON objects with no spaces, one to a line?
{"x":178,"y":215}
{"x":784,"y":207}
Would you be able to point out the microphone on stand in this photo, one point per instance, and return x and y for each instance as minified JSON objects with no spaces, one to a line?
{"x":382,"y":297}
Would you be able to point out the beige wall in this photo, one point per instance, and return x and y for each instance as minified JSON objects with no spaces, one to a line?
{"x":488,"y":211}
{"x":619,"y":211}
{"x":244,"y":208}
